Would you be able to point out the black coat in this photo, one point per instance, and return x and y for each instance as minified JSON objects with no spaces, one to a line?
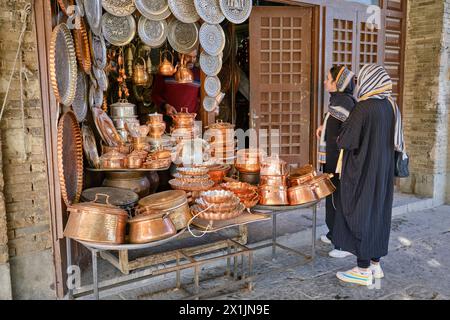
{"x":363,"y":218}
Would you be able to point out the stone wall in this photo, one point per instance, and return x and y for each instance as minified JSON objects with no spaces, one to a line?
{"x":25,"y":191}
{"x":426,"y":97}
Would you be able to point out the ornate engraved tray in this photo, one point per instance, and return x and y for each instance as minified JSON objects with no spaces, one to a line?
{"x":182,"y":36}
{"x":90,"y":146}
{"x":106,"y":128}
{"x":95,"y":96}
{"x":209,"y":11}
{"x":151,"y":8}
{"x":70,"y":158}
{"x":119,"y":8}
{"x":98,"y":50}
{"x":63,"y":65}
{"x":119,"y":31}
{"x":100,"y":76}
{"x":210,"y":65}
{"x":82,"y":47}
{"x":152,"y":33}
{"x":80,"y":103}
{"x":212,"y":38}
{"x":212,"y":86}
{"x":93,"y":13}
{"x":236,"y":11}
{"x":184,"y":10}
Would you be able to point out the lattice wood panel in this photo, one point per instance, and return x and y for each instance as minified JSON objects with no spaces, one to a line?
{"x":368,"y":45}
{"x":343,"y":43}
{"x":280,"y":77}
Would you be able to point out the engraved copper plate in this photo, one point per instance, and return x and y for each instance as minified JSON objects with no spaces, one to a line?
{"x":209,"y":11}
{"x":152,"y":33}
{"x":70,"y":158}
{"x":93,"y":13}
{"x":184,"y":10}
{"x":236,"y":11}
{"x":98,"y":50}
{"x":90,"y":146}
{"x":182,"y":36}
{"x":82,"y":47}
{"x":149,"y":8}
{"x":63,"y":65}
{"x":80,"y":103}
{"x":119,"y":31}
{"x":106,"y":128}
{"x":210,"y":65}
{"x":212,"y":38}
{"x":119,"y":8}
{"x":159,"y":17}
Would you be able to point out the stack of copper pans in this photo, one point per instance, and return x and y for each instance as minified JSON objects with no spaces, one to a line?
{"x":247,"y":193}
{"x":191,"y":179}
{"x":217,"y":205}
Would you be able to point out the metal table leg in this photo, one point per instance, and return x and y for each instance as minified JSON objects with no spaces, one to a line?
{"x":95,"y":273}
{"x":69,"y":263}
{"x":274,"y":236}
{"x":314,"y":230}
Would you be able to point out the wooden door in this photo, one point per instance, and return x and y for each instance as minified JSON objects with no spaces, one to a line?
{"x":280,"y":79}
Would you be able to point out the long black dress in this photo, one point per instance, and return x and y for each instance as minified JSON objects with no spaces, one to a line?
{"x":332,"y":130}
{"x":363,"y":218}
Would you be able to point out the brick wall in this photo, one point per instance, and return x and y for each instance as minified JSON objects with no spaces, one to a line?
{"x":24,"y":164}
{"x":425,"y":107}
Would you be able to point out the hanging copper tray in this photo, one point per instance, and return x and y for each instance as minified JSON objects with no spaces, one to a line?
{"x":63,"y":65}
{"x":80,"y":103}
{"x":106,"y":128}
{"x":212,"y":38}
{"x":98,"y":50}
{"x":82,"y":47}
{"x":210,"y":65}
{"x":151,"y":8}
{"x":209,"y":11}
{"x":119,"y":31}
{"x":182,"y":36}
{"x":236,"y":12}
{"x":93,"y":13}
{"x":90,"y":146}
{"x":70,"y":158}
{"x":119,"y":8}
{"x":64,"y":5}
{"x":184,"y":10}
{"x":152,"y":33}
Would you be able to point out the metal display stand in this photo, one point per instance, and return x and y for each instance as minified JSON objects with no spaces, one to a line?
{"x":274,"y":211}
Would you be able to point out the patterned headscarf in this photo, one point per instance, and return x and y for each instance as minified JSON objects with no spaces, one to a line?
{"x":344,"y":80}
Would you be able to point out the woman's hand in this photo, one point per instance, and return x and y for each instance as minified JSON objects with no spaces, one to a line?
{"x":319,"y":132}
{"x":170,"y":110}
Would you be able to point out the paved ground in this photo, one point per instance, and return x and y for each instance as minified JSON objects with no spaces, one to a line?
{"x":417,"y":267}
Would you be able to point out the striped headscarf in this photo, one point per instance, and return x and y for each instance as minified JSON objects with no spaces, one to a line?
{"x":375,"y":83}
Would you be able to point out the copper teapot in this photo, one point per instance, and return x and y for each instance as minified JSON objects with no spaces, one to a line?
{"x":166,"y":67}
{"x":184,"y":74}
{"x":140,"y":75}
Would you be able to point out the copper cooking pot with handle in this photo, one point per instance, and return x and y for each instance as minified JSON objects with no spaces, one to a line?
{"x":323,"y":187}
{"x":273,"y":195}
{"x":184,"y":119}
{"x":273,"y":180}
{"x":150,"y":227}
{"x":302,"y":194}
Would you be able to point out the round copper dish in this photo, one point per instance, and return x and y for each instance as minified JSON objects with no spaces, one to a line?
{"x":70,"y":158}
{"x":215,"y":216}
{"x":82,"y":47}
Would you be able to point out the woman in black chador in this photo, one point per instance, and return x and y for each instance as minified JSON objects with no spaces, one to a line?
{"x":340,"y":84}
{"x":368,"y":139}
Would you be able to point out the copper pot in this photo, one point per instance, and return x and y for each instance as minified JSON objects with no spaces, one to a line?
{"x":95,"y":222}
{"x":184,"y":119}
{"x":248,"y":160}
{"x":124,"y":149}
{"x":166,"y":67}
{"x":140,"y":143}
{"x":273,"y":195}
{"x":160,"y":154}
{"x":184,"y":74}
{"x":323,"y":185}
{"x":172,"y":202}
{"x":113,"y":160}
{"x":273,"y":180}
{"x":273,"y":166}
{"x":150,"y":227}
{"x":135,"y":181}
{"x":134,"y":161}
{"x":155,"y":118}
{"x":296,"y":180}
{"x":252,"y":178}
{"x":217,"y":173}
{"x":301,"y":194}
{"x":157,"y":129}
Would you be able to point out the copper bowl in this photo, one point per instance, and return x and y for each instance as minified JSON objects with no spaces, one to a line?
{"x":301,"y":194}
{"x":218,"y":173}
{"x":150,"y":227}
{"x":248,"y":160}
{"x":273,"y":195}
{"x":217,"y":196}
{"x":323,"y":185}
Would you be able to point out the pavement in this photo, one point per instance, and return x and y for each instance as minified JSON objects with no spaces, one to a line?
{"x":417,"y":267}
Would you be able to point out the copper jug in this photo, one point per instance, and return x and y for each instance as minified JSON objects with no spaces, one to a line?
{"x":140,"y":75}
{"x":184,"y":74}
{"x":166,"y":67}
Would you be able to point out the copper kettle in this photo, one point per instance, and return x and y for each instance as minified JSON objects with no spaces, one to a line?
{"x":166,"y":67}
{"x":140,"y":75}
{"x":184,"y":74}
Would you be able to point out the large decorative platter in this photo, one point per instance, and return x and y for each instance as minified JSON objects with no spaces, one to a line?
{"x":182,"y":36}
{"x":210,"y":65}
{"x":82,"y":47}
{"x":212,"y":38}
{"x":236,"y":11}
{"x":93,"y":13}
{"x":152,"y":33}
{"x":159,"y":17}
{"x":63,"y":65}
{"x":80,"y":103}
{"x":212,"y":86}
{"x":90,"y":146}
{"x":151,"y":8}
{"x":106,"y":128}
{"x":184,"y":10}
{"x":98,"y":50}
{"x":209,"y":11}
{"x":70,"y":158}
{"x":119,"y":8}
{"x":119,"y":31}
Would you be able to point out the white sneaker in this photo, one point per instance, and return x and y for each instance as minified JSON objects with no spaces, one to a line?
{"x":325,"y":239}
{"x":335,"y":253}
{"x":356,"y":276}
{"x":376,"y":270}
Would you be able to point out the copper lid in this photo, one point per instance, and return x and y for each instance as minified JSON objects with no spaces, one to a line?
{"x":117,"y":196}
{"x":164,"y":200}
{"x":147,"y":216}
{"x":93,"y":207}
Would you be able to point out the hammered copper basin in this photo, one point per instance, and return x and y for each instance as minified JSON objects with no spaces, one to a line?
{"x":146,"y":228}
{"x":323,"y":185}
{"x":301,"y":194}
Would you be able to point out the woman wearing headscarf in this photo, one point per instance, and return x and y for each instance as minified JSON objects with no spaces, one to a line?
{"x":340,"y":84}
{"x":368,"y":139}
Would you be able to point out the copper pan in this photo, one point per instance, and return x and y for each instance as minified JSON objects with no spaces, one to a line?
{"x":150,"y":227}
{"x":273,"y":180}
{"x":301,"y":194}
{"x":273,"y":195}
{"x":323,"y":187}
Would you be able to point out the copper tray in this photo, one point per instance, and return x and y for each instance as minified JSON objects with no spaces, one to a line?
{"x":98,"y":50}
{"x":83,"y":50}
{"x":106,"y":128}
{"x":63,"y":65}
{"x":70,"y":158}
{"x":90,"y":146}
{"x":80,"y":102}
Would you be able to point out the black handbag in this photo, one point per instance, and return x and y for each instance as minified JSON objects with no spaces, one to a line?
{"x":401,"y":165}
